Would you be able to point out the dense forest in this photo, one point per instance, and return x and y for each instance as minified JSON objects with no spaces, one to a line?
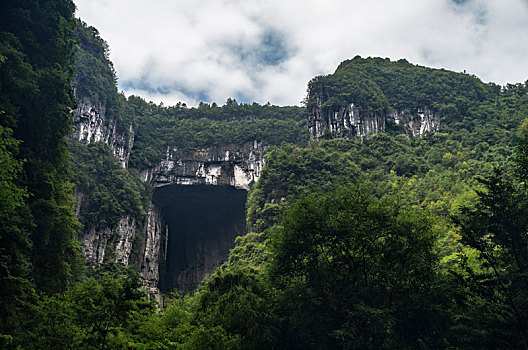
{"x":385,"y":242}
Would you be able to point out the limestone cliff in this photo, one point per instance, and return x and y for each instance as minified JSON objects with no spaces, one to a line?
{"x":109,"y":242}
{"x":91,"y":123}
{"x":198,"y":210}
{"x":348,"y":121}
{"x":371,"y":95}
{"x":155,"y":233}
{"x":227,"y":165}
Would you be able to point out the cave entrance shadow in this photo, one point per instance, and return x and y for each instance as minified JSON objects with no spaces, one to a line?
{"x":202,"y":223}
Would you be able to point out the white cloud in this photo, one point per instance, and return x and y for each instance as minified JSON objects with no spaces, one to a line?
{"x":253,"y":50}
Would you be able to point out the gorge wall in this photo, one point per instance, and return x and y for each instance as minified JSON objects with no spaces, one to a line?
{"x":91,"y":123}
{"x":198,"y":210}
{"x":349,"y":121}
{"x":102,"y":242}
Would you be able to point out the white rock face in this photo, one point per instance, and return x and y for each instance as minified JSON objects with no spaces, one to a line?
{"x":348,"y":121}
{"x":97,"y":244}
{"x":155,"y":232}
{"x":224,"y":165}
{"x":92,"y":124}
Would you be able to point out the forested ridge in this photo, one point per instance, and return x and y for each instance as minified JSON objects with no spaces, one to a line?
{"x":209,"y":125}
{"x":385,"y":242}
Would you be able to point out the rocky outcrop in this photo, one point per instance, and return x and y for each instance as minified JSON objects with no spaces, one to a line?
{"x":230,"y":166}
{"x":114,"y":243}
{"x":104,"y":243}
{"x":416,"y":122}
{"x":227,"y":165}
{"x":349,"y":121}
{"x":91,"y":123}
{"x":155,"y":232}
{"x":222,"y":166}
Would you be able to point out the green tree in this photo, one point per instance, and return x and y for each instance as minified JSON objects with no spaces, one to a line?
{"x":36,"y":39}
{"x":95,"y":313}
{"x":496,"y":310}
{"x":355,"y":272}
{"x":239,"y":301}
{"x":15,"y":244}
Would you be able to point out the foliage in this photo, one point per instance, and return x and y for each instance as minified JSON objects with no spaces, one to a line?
{"x":113,"y":192}
{"x":291,"y":171}
{"x":376,"y":84}
{"x":93,"y":314}
{"x":95,"y":78}
{"x":335,"y":249}
{"x":15,"y":244}
{"x":188,"y":129}
{"x":36,"y":43}
{"x":239,"y":301}
{"x":353,"y":247}
{"x":496,"y":226}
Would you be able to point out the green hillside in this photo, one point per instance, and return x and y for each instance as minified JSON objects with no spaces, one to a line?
{"x":384,"y":242}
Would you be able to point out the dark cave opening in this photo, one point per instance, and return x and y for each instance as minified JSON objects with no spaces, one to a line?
{"x":203,"y":222}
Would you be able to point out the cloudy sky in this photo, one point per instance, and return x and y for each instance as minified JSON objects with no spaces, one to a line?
{"x":267,"y":50}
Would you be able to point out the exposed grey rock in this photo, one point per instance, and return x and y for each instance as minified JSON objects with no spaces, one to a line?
{"x":155,"y":232}
{"x":115,"y":242}
{"x":78,"y":197}
{"x":91,"y":123}
{"x":222,"y":165}
{"x":229,"y":165}
{"x":349,"y":121}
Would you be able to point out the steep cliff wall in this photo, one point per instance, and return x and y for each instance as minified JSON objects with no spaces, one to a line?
{"x":370,"y":95}
{"x":109,"y":242}
{"x":227,"y":165}
{"x":348,"y":121}
{"x":91,"y":123}
{"x":104,"y":242}
{"x":198,"y":211}
{"x":155,"y":232}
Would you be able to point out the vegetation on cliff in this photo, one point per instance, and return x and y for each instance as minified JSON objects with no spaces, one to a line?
{"x":207,"y":125}
{"x":111,"y":192}
{"x":382,"y":243}
{"x":37,"y":230}
{"x":377,"y":84}
{"x":95,"y":78}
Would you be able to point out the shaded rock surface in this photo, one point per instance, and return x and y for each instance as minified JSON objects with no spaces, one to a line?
{"x":199,"y":227}
{"x":199,"y":209}
{"x":109,"y":242}
{"x":349,"y":121}
{"x":155,"y":232}
{"x":102,"y":243}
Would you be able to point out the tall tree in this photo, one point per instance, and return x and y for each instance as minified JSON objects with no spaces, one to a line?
{"x":356,"y":272}
{"x":36,"y":39}
{"x":496,"y":227}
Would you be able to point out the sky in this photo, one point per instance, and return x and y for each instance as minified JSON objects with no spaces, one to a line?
{"x":268,"y":50}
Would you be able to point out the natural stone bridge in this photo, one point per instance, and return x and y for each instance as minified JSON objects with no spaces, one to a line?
{"x":198,"y":210}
